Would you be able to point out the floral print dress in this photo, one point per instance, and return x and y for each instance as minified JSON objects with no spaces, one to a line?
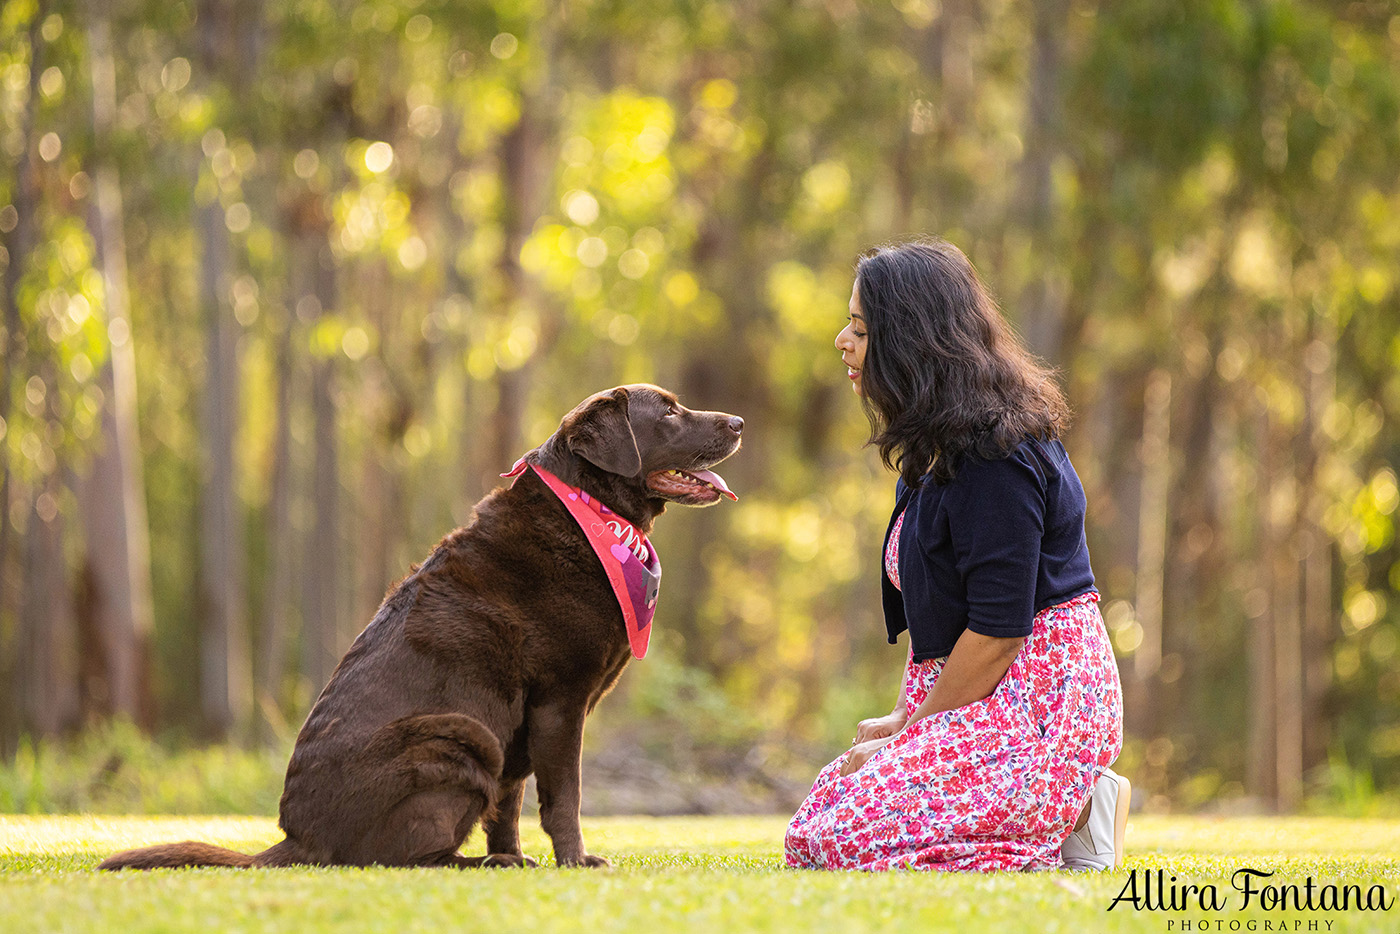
{"x":994,"y":785}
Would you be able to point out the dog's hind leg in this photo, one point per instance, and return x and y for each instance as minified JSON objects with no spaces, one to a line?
{"x":441,"y":771}
{"x":427,"y":828}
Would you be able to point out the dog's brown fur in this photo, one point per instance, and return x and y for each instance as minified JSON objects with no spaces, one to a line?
{"x":480,"y":666}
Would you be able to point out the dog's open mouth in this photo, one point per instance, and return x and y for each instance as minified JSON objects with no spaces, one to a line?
{"x":689,"y":487}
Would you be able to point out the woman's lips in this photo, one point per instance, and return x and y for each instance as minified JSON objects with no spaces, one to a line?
{"x":852,"y":372}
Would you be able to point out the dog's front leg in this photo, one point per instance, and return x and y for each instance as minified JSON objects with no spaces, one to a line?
{"x":556,"y":743}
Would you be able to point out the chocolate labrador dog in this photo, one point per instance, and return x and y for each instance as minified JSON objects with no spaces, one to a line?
{"x":481,"y":664}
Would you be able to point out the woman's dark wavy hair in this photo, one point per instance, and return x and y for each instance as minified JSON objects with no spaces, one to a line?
{"x":944,"y":374}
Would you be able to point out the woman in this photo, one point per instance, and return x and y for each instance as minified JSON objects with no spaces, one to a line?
{"x":996,"y":754}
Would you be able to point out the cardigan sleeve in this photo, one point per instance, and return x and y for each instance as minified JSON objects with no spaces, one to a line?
{"x":996,"y":523}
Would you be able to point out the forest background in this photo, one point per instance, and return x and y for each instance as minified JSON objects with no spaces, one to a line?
{"x":287,"y":284}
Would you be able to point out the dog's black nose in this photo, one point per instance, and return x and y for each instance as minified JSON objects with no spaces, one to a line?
{"x":736,"y":424}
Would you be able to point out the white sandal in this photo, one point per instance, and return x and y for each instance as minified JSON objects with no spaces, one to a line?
{"x":1098,"y":844}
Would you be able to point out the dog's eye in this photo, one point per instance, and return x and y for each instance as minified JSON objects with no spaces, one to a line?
{"x":671,"y":414}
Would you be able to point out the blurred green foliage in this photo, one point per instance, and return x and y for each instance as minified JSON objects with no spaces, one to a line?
{"x":117,"y":769}
{"x":577,"y":194}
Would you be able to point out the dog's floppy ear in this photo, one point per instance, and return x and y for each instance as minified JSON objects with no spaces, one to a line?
{"x":600,"y":432}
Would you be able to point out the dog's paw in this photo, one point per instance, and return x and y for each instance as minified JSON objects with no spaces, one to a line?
{"x":586,"y":861}
{"x":495,"y":861}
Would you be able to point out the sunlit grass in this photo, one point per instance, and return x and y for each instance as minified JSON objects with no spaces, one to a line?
{"x":712,"y":874}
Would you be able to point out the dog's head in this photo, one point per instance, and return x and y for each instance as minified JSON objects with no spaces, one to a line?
{"x":637,"y":448}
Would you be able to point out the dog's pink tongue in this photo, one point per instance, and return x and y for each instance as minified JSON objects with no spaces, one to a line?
{"x":715,"y":480}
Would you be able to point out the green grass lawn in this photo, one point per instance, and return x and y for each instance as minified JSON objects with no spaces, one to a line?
{"x":715,"y":874}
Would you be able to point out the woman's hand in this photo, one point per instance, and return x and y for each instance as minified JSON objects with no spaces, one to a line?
{"x":861,"y":753}
{"x":880,"y":727}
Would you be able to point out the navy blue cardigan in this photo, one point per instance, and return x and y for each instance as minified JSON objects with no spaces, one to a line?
{"x":987,"y":551}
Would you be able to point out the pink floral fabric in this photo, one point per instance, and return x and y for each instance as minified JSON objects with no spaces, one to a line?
{"x":892,"y":552}
{"x":994,"y":785}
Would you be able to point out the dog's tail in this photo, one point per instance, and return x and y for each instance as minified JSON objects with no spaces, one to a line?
{"x":177,"y":856}
{"x":192,"y":853}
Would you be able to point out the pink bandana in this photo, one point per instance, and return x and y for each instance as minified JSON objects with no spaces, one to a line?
{"x":631,"y":563}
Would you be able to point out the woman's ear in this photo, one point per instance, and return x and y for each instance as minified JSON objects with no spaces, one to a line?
{"x":600,"y":432}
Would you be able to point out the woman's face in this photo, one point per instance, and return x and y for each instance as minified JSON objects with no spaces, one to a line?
{"x":851,"y":340}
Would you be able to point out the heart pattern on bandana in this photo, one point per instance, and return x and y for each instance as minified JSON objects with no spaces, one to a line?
{"x":634,"y":572}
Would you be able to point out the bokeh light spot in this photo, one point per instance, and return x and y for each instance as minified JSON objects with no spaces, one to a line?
{"x":592,"y":252}
{"x":378,"y":157}
{"x":355,"y":343}
{"x":581,"y":207}
{"x":306,"y":163}
{"x":238,"y":217}
{"x":504,"y":46}
{"x":50,"y":146}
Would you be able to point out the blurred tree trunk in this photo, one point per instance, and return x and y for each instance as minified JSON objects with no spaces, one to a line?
{"x":271,"y":668}
{"x":1197,"y":548}
{"x":48,"y":679}
{"x":225,"y":681}
{"x":1261,"y":772}
{"x":1154,"y":516}
{"x":117,"y":563}
{"x":18,"y":247}
{"x":1319,"y":631}
{"x":1292,"y":512}
{"x":454,"y":228}
{"x":384,"y":518}
{"x":314,"y":288}
{"x":526,"y":156}
{"x":1288,"y":636}
{"x":476,"y":476}
{"x":1278,"y":759}
{"x":1041,"y":306}
{"x":49,"y":633}
{"x":322,"y":559}
{"x":949,"y":58}
{"x":525,"y":168}
{"x":226,"y":676}
{"x":933,"y":121}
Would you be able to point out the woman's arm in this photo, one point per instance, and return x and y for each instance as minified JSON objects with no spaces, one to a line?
{"x":972,"y":672}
